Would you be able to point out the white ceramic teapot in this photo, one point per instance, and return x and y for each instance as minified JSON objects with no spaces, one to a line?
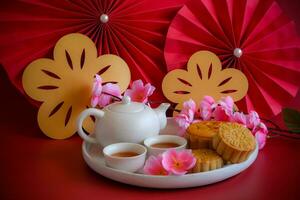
{"x":124,"y":121}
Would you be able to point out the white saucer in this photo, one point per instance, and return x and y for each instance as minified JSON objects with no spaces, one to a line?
{"x":92,"y":155}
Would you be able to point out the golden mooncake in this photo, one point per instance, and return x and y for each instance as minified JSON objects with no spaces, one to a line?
{"x":200,"y":134}
{"x":234,"y":142}
{"x":207,"y":160}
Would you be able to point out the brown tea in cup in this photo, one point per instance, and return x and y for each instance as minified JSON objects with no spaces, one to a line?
{"x":125,"y":154}
{"x":165,"y":145}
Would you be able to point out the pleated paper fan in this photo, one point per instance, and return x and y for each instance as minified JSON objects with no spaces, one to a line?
{"x":254,"y":36}
{"x":133,"y":29}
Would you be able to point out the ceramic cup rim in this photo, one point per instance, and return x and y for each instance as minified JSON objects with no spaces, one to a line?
{"x":144,"y":150}
{"x":148,"y":144}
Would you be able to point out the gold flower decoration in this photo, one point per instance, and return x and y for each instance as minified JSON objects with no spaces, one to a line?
{"x":204,"y":76}
{"x":64,"y":84}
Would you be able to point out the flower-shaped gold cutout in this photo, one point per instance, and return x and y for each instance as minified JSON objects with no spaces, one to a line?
{"x":204,"y":76}
{"x":64,"y":84}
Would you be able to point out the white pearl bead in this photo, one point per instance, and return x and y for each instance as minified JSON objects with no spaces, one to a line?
{"x":237,"y":52}
{"x":104,"y":18}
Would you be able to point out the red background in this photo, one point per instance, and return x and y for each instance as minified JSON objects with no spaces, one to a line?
{"x":35,"y":167}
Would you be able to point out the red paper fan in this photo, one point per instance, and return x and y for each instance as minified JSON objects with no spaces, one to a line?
{"x":251,"y":35}
{"x":133,"y":29}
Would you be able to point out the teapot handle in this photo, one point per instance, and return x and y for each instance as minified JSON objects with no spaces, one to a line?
{"x":90,"y":111}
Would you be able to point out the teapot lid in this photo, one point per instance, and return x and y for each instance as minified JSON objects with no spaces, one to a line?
{"x":126,"y":106}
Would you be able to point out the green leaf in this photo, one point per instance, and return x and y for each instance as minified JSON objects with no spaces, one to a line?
{"x":291,"y":119}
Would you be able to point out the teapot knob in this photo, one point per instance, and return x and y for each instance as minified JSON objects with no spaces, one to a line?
{"x":126,"y":100}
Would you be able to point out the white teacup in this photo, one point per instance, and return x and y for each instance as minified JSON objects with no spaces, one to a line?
{"x":125,"y":156}
{"x":160,"y":143}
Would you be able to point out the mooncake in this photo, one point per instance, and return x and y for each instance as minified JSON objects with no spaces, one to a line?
{"x":200,"y":134}
{"x":233,"y":142}
{"x":207,"y":160}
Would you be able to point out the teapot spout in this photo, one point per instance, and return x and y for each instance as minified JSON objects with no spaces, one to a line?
{"x":161,"y":114}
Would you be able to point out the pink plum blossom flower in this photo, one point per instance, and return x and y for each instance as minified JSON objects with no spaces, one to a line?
{"x":260,"y":132}
{"x":261,"y":139}
{"x":139,"y":92}
{"x":153,"y":166}
{"x":224,"y":109}
{"x":109,"y":90}
{"x":188,"y":107}
{"x":178,"y":162}
{"x":252,"y":120}
{"x":227,"y":104}
{"x":186,"y":116}
{"x":96,"y":91}
{"x":219,"y":114}
{"x":206,"y":107}
{"x":239,"y":117}
{"x":183,"y":122}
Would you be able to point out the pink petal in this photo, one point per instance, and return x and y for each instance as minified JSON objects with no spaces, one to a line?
{"x":182,"y":120}
{"x":187,"y":112}
{"x":260,"y":132}
{"x":98,"y":78}
{"x":138,"y":96}
{"x":206,"y":107}
{"x":94,"y":101}
{"x":104,"y":100}
{"x":219,"y":114}
{"x":149,"y":89}
{"x":261,"y":127}
{"x":189,"y":105}
{"x":253,"y":120}
{"x":227,"y":101}
{"x":187,"y":159}
{"x":209,"y":100}
{"x":139,"y":92}
{"x":97,"y":85}
{"x":227,"y":104}
{"x":239,"y":117}
{"x":137,"y":85}
{"x":97,"y":89}
{"x":206,"y":114}
{"x":178,"y":162}
{"x":168,"y":158}
{"x":190,"y":115}
{"x":261,"y":139}
{"x":189,"y":109}
{"x":153,"y":166}
{"x":112,"y":89}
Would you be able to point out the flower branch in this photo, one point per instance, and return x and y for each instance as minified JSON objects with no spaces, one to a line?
{"x":222,"y":110}
{"x":277,"y":131}
{"x":274,"y":134}
{"x":103,"y":95}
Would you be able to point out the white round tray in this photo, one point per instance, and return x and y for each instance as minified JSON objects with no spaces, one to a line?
{"x":92,"y":155}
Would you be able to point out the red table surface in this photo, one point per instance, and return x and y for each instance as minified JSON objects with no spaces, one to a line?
{"x":36,"y":167}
